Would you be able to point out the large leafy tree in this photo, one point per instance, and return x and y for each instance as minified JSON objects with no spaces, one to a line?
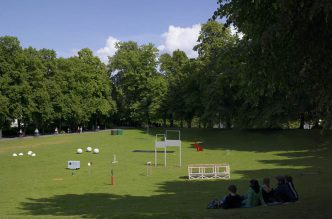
{"x":288,"y":48}
{"x":42,"y":111}
{"x":173,"y":68}
{"x":86,"y":89}
{"x":139,"y":87}
{"x":220,"y":60}
{"x":15,"y":87}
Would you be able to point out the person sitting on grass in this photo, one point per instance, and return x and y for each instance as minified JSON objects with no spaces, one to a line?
{"x":253,"y":196}
{"x":232,"y":200}
{"x":283,"y":192}
{"x":289,"y":182}
{"x":267,"y":191}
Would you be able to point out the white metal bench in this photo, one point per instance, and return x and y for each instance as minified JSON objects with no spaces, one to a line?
{"x":209,"y":171}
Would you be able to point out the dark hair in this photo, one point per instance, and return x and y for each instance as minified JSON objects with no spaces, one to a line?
{"x":232,"y":188}
{"x":281,"y":179}
{"x":254,"y":185}
{"x":289,"y":179}
{"x":266,"y":181}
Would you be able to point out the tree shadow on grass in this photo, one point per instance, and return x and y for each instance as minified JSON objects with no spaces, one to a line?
{"x":252,"y":140}
{"x":188,"y":199}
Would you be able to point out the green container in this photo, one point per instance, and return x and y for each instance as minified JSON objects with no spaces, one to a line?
{"x":114,"y":132}
{"x":120,"y":131}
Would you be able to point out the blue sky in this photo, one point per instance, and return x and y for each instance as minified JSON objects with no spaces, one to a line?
{"x":69,"y":25}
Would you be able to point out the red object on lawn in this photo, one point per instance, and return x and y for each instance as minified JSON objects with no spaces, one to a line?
{"x":113,"y":181}
{"x":198,"y":148}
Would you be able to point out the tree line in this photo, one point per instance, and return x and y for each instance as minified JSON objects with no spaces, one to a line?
{"x":277,"y":75}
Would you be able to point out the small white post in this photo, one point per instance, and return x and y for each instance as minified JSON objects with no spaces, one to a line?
{"x":89,"y":166}
{"x":165,"y":155}
{"x":148,"y":165}
{"x":155,"y":157}
{"x":114,"y":159}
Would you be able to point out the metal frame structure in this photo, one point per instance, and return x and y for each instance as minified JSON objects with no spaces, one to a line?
{"x":209,"y":171}
{"x":167,"y":143}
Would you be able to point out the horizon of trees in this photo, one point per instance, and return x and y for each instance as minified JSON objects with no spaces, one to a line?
{"x":277,"y":75}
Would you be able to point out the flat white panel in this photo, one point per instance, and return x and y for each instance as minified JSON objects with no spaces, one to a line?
{"x":159,"y":144}
{"x":175,"y":143}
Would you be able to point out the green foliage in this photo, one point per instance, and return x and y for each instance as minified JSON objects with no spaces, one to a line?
{"x":288,"y":71}
{"x":39,"y":89}
{"x":139,"y":88}
{"x":220,"y":59}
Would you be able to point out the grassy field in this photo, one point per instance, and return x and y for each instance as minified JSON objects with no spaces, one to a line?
{"x":42,"y":187}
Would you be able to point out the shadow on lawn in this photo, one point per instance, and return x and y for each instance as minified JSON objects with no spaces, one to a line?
{"x":188,"y":199}
{"x":252,"y":140}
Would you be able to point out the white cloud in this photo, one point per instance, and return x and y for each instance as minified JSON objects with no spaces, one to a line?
{"x":108,"y":50}
{"x":182,"y":38}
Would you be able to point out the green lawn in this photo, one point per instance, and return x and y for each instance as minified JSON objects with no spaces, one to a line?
{"x":42,"y":187}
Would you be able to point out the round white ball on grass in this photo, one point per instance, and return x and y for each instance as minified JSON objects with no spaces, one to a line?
{"x":96,"y":151}
{"x":20,"y":154}
{"x":88,"y":149}
{"x":29,"y":152}
{"x":14,"y":155}
{"x":33,"y":155}
{"x":79,"y":151}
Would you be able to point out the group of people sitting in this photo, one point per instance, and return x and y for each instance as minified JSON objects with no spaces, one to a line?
{"x":259,"y":195}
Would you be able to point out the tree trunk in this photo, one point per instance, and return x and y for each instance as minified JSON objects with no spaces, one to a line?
{"x":0,"y":133}
{"x":172,"y":120}
{"x":181,"y":123}
{"x":164,"y":120}
{"x":228,"y":123}
{"x":60,"y":125}
{"x":210,"y":125}
{"x":189,"y":121}
{"x":301,"y":121}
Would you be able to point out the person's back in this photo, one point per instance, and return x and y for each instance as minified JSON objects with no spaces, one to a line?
{"x":289,"y":182}
{"x":232,"y":201}
{"x":267,"y":191}
{"x":253,"y":196}
{"x":283,"y":192}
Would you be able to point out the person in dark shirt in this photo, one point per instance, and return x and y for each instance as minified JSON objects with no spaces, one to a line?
{"x":289,"y":182}
{"x":267,"y":191}
{"x":232,"y":200}
{"x":283,"y":192}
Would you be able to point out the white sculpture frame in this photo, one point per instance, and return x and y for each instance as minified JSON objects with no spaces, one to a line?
{"x":167,"y":143}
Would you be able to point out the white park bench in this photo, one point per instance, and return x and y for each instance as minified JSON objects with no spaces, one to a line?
{"x":209,"y":171}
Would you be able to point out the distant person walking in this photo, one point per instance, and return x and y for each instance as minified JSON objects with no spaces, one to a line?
{"x":20,"y":133}
{"x":36,"y":132}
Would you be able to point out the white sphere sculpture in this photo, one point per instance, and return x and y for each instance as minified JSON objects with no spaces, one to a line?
{"x":29,"y":152}
{"x":79,"y":151}
{"x":88,"y":149}
{"x":14,"y":155}
{"x":96,"y":151}
{"x":20,"y":154}
{"x":33,"y":155}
